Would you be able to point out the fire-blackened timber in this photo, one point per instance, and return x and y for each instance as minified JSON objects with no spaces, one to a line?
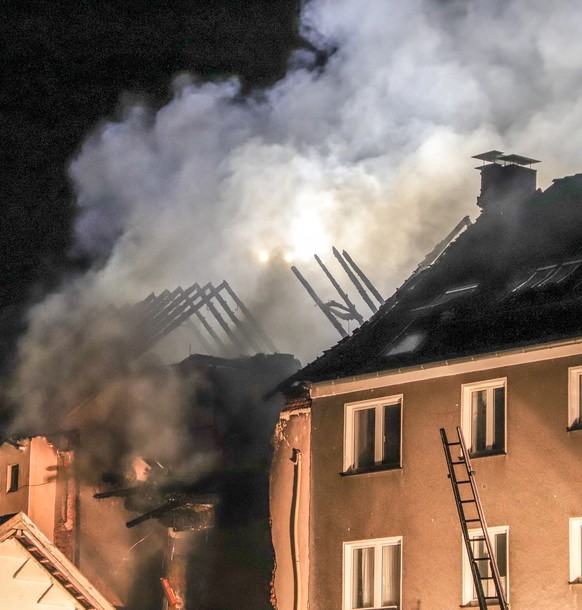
{"x":349,"y":305}
{"x":354,"y":280}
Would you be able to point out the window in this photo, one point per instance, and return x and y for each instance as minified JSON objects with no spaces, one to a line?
{"x":499,"y":540}
{"x":554,"y":275}
{"x":576,"y":550}
{"x":12,"y":478}
{"x":575,"y":398}
{"x":406,"y":344}
{"x":372,"y":436}
{"x":449,"y":295}
{"x":373,"y":574}
{"x":483,"y":417}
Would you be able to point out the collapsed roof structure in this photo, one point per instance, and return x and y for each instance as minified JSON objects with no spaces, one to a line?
{"x":511,"y":279}
{"x":231,"y":325}
{"x":484,"y":336}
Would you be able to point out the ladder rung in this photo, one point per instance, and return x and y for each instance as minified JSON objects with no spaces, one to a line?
{"x":456,"y":458}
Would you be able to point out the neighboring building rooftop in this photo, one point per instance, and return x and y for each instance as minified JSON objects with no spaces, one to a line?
{"x":513,"y":278}
{"x":35,"y":574}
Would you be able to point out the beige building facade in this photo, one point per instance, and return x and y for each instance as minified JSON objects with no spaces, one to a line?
{"x":484,"y":336}
{"x":387,"y":535}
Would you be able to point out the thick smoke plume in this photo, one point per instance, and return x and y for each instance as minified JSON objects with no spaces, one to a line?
{"x":81,"y":373}
{"x":369,"y":152}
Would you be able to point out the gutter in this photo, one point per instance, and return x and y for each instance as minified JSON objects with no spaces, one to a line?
{"x":445,"y":368}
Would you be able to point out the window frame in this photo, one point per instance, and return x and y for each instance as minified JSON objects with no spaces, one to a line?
{"x":575,"y":544}
{"x":467,"y":599}
{"x":12,"y":483}
{"x":377,"y":544}
{"x":574,"y":398}
{"x":467,"y":390}
{"x":378,"y":405}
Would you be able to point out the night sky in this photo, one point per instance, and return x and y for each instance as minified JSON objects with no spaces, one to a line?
{"x":69,"y":66}
{"x":361,"y":141}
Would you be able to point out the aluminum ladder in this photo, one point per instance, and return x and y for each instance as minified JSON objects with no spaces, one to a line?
{"x":483,"y":568}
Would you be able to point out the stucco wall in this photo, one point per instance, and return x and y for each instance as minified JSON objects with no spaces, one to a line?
{"x":534,"y":489}
{"x":289,"y":584}
{"x":37,"y":460}
{"x":42,"y":485}
{"x":15,"y":501}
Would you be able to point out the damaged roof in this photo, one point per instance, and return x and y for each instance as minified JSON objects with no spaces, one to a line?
{"x":512,"y":279}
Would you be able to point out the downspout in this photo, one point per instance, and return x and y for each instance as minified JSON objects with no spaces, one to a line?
{"x":75,"y":444}
{"x":296,"y":459}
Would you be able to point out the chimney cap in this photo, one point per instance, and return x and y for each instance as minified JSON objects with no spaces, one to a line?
{"x":490,"y":156}
{"x":518,"y":160}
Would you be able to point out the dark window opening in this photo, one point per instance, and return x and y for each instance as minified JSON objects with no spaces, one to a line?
{"x":12,"y":478}
{"x":392,"y":425}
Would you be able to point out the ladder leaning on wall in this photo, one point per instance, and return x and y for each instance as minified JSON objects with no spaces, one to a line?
{"x":483,"y":567}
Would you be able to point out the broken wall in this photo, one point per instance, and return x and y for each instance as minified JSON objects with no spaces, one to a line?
{"x":290,"y":499}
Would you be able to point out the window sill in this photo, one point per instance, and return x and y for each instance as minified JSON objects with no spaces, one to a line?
{"x":577,"y":581}
{"x":384,"y":608}
{"x":487,"y":453}
{"x":475,"y":604}
{"x":379,"y":468}
{"x":574,"y":426}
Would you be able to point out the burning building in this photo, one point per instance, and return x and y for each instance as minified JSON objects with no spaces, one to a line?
{"x":486,"y":336}
{"x":155,"y":483}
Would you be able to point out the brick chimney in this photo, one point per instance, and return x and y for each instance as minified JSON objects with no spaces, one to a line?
{"x":505,"y":179}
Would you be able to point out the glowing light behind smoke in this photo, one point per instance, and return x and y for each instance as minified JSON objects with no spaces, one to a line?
{"x":308,"y":232}
{"x":369,"y":153}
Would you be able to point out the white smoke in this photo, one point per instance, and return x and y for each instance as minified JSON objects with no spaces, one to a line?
{"x":369,"y":152}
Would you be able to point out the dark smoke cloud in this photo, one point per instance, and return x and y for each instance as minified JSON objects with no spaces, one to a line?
{"x":368,"y":151}
{"x":79,"y":371}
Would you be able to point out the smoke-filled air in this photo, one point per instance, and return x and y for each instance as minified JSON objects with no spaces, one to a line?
{"x":368,"y":151}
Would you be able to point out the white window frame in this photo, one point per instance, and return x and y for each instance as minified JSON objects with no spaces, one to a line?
{"x":467,"y":390}
{"x":575,"y":536}
{"x":377,"y":544}
{"x":467,"y":596}
{"x":574,"y":406}
{"x":349,"y":441}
